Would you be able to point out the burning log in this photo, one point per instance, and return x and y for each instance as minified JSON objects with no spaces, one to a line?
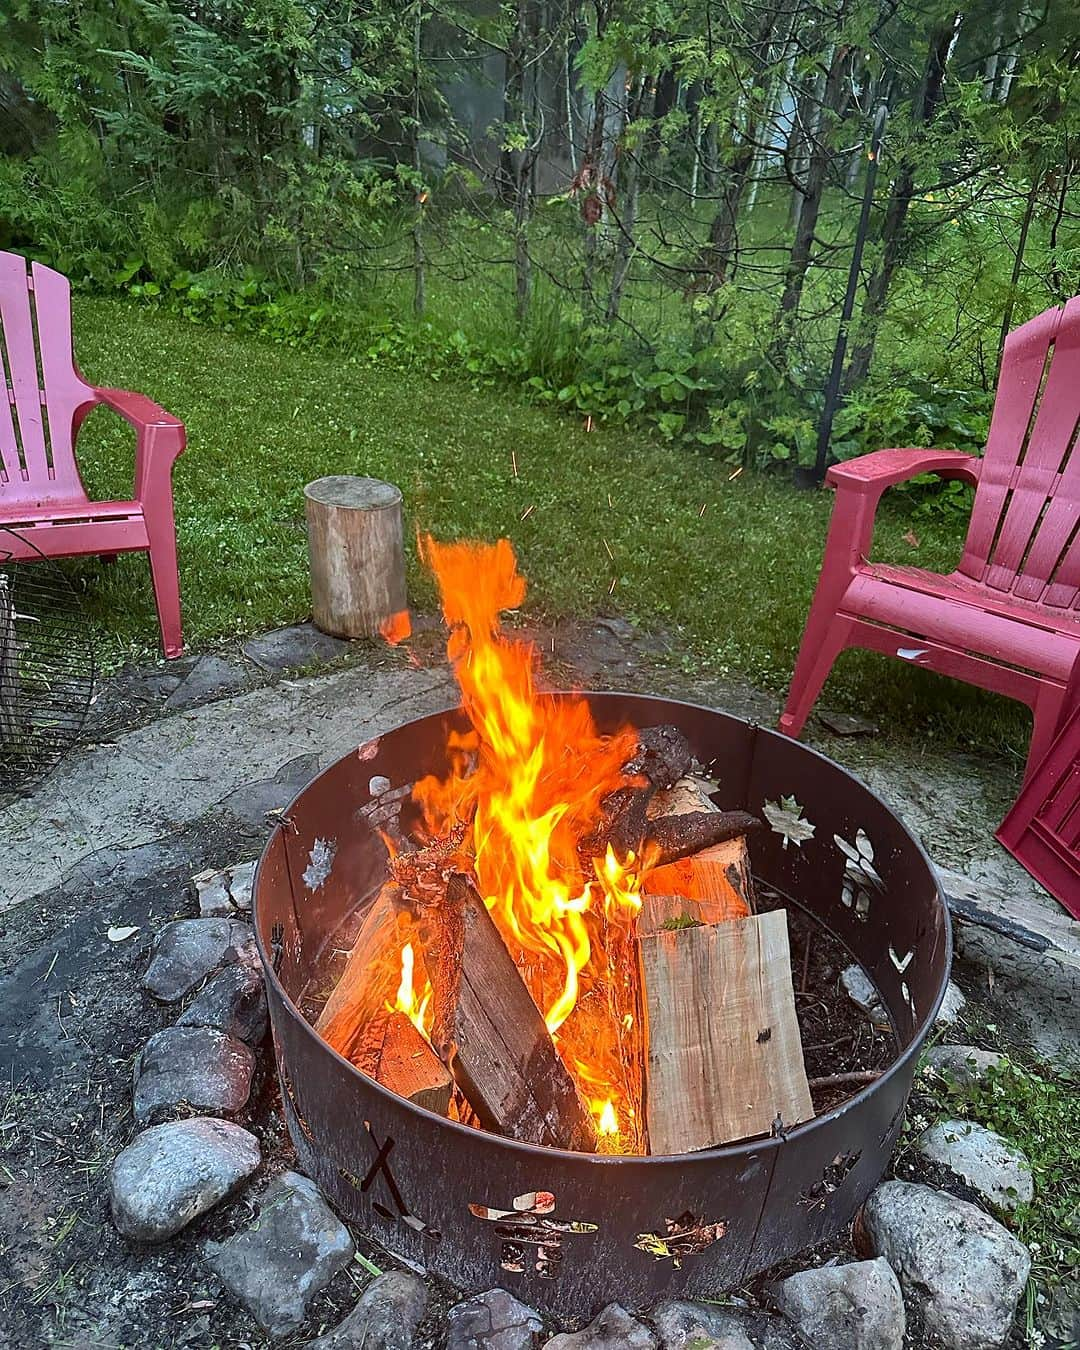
{"x":723,"y":1058}
{"x":719,"y":875}
{"x":490,"y":1033}
{"x":651,"y":818}
{"x":391,"y":1050}
{"x":367,"y":982}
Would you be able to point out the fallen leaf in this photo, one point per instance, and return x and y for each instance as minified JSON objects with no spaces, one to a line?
{"x":911,"y":538}
{"x":122,"y":934}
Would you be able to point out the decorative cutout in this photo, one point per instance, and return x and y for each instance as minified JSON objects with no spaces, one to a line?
{"x":682,"y":1237}
{"x":900,"y":962}
{"x":832,"y":1178}
{"x":861,"y":882}
{"x":381,"y":1168}
{"x":525,"y":1225}
{"x":786,"y":819}
{"x":897,"y":1116}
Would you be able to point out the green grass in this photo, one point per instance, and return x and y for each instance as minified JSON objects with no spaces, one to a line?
{"x":728,"y":564}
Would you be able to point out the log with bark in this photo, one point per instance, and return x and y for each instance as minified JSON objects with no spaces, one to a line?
{"x":490,"y":1033}
{"x":719,"y":875}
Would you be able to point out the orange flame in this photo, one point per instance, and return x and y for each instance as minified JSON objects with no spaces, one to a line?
{"x":406,"y":1001}
{"x":528,"y":781}
{"x":396,"y":627}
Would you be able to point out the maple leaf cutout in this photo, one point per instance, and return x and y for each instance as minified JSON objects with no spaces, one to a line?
{"x":786,"y":818}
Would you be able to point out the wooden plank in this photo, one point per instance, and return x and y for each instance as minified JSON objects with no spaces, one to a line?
{"x":723,"y":1055}
{"x":490,"y":1033}
{"x":391,"y":1050}
{"x":370,"y":976}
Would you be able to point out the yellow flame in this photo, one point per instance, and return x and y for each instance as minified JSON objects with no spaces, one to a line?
{"x":609,"y":1121}
{"x":406,"y":1001}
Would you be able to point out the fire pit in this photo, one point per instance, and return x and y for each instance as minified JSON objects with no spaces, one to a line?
{"x":568,"y":1231}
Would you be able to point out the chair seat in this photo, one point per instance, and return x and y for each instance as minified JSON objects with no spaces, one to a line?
{"x":966,"y":615}
{"x":16,"y":513}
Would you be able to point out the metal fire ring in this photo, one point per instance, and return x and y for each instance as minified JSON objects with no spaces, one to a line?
{"x":408,"y":1177}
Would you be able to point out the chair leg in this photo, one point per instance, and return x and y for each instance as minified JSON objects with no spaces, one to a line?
{"x":825,"y":638}
{"x":1047,"y":713}
{"x":163,"y":569}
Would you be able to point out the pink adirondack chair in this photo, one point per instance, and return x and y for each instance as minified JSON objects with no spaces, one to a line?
{"x":1008,"y":619}
{"x":44,"y":509}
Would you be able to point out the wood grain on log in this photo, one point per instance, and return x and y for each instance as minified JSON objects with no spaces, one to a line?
{"x":393,"y":1052}
{"x":356,"y":553}
{"x":724,"y":1059}
{"x":490,"y":1033}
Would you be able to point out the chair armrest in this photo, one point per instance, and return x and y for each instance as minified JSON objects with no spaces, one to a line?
{"x":872,"y":474}
{"x":160,"y":436}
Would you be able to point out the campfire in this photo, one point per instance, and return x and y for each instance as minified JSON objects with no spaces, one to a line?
{"x":567,"y":949}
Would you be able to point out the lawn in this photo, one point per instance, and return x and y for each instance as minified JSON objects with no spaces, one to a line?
{"x":602,"y":521}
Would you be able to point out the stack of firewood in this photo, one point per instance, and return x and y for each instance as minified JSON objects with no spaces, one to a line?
{"x":717,"y":1055}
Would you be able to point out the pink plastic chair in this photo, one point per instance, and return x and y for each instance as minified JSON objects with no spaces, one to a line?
{"x":1007,"y":619}
{"x":42,"y":499}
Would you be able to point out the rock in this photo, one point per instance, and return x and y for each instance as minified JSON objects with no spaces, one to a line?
{"x":853,"y":1307}
{"x":961,"y":1269}
{"x":989,"y":1164}
{"x":192,"y":1066}
{"x":386,"y":1317}
{"x":492,"y":1321}
{"x":952,"y":1005}
{"x":289,"y":1254}
{"x":187,"y":950}
{"x":693,"y":1326}
{"x":613,"y":1329}
{"x":847,"y":724}
{"x":299,"y":645}
{"x":234,"y":1001}
{"x":860,"y":989}
{"x":210,"y":677}
{"x":962,"y":1065}
{"x":170,"y":1174}
{"x":226,"y":891}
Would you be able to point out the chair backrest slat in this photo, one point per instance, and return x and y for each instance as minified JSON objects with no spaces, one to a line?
{"x":22,"y":369}
{"x":1024,"y":519}
{"x":40,"y":402}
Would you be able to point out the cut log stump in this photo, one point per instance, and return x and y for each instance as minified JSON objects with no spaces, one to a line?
{"x":490,"y":1033}
{"x":357,"y":558}
{"x":723,"y":1055}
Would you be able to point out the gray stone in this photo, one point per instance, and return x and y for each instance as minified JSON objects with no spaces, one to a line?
{"x":862,"y":992}
{"x":187,"y":950}
{"x":289,"y":1254}
{"x":962,"y":1065}
{"x":853,"y":1307}
{"x":227,"y":891}
{"x":170,"y":1174}
{"x":613,"y":1329}
{"x":252,"y":802}
{"x":693,"y":1326}
{"x":952,"y":1005}
{"x":961,"y":1269}
{"x":194,"y":1067}
{"x":494,"y":1320}
{"x":847,"y":724}
{"x":386,"y":1317}
{"x":210,"y":677}
{"x":234,"y":1001}
{"x":299,"y":645}
{"x":989,"y":1164}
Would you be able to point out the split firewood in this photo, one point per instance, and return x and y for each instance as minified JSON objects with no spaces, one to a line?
{"x":371,"y":972}
{"x":723,"y":1055}
{"x":393,"y":1052}
{"x":719,"y":875}
{"x":490,"y":1033}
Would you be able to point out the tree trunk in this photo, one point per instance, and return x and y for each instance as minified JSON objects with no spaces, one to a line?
{"x":924,"y":110}
{"x":419,"y":261}
{"x":630,"y":188}
{"x":1018,"y":265}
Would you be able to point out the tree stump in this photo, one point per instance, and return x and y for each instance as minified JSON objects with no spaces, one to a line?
{"x":357,"y":558}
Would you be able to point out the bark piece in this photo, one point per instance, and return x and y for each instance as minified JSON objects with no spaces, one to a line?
{"x":356,"y":553}
{"x":392,"y":1051}
{"x":490,"y":1033}
{"x":723,"y":1055}
{"x":719,"y":876}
